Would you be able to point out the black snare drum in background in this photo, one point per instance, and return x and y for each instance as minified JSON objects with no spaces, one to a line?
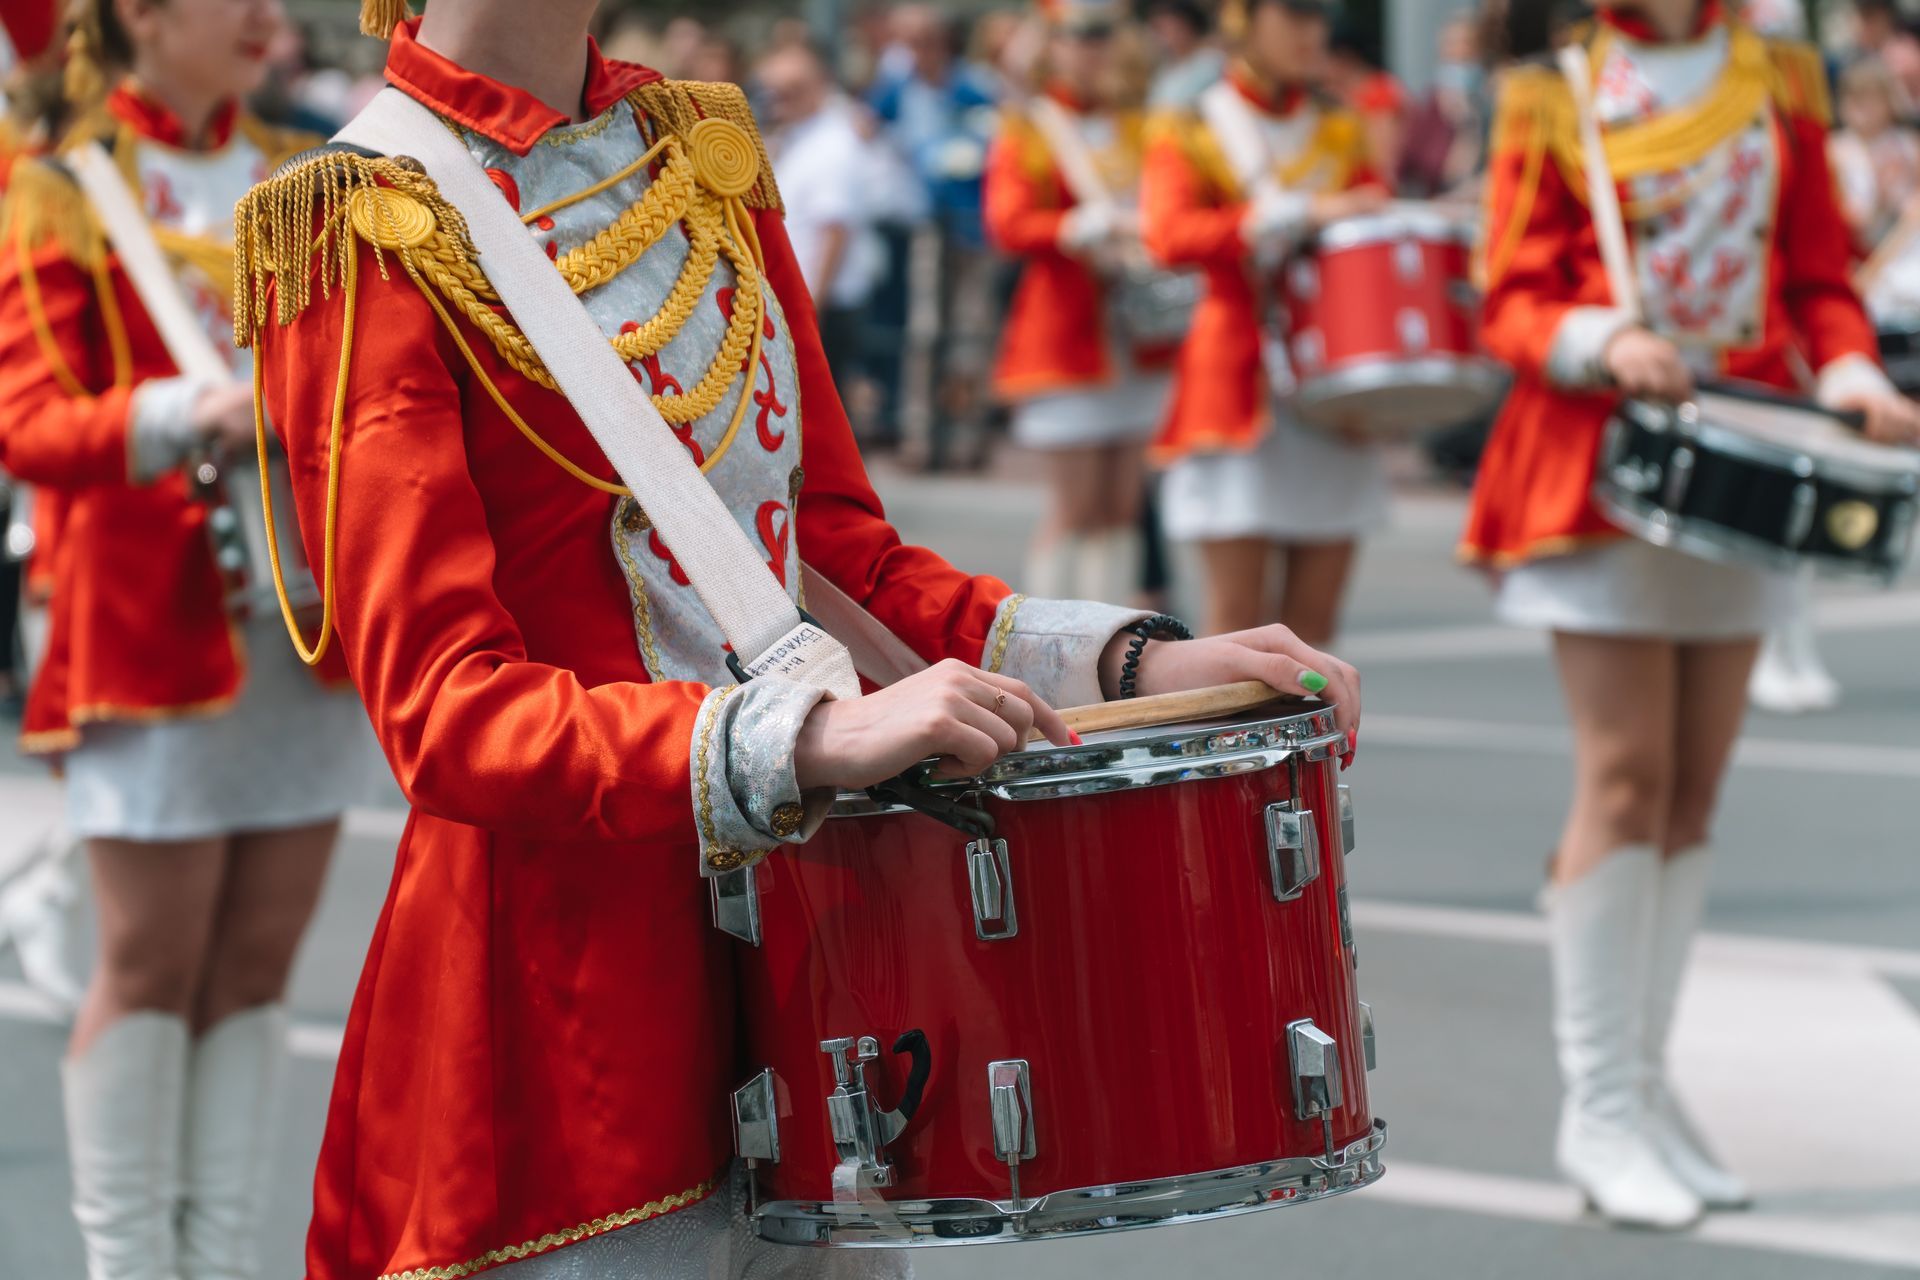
{"x":1900,"y":353}
{"x":1777,"y":485}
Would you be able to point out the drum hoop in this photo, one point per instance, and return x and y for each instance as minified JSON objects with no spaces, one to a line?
{"x":1721,"y":545}
{"x":1125,"y":1206}
{"x":1392,"y":227}
{"x":1731,"y":441}
{"x":1155,"y":757}
{"x":1482,"y":375}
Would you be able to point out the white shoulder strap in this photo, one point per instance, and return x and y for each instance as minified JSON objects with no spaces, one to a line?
{"x":1070,"y":151}
{"x":185,"y":338}
{"x":1232,"y":120}
{"x":752,"y":609}
{"x":1603,"y":198}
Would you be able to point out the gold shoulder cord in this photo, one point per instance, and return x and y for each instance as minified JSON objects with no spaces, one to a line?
{"x":713,"y":171}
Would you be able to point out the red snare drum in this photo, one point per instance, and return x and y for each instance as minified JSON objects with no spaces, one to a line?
{"x":1381,"y":326}
{"x":1133,"y":1005}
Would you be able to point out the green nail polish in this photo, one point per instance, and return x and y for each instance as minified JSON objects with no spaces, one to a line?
{"x":1312,"y":681}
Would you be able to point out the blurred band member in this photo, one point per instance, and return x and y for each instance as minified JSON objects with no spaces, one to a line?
{"x":1087,"y":388}
{"x":1247,"y":482}
{"x":818,"y":152}
{"x":1189,"y":60}
{"x":1740,"y":257}
{"x":206,"y":770}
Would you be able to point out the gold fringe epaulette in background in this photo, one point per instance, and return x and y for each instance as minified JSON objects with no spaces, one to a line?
{"x":1184,"y":128}
{"x":297,"y":230}
{"x":1019,"y":131}
{"x":678,"y":105}
{"x":43,"y":207}
{"x":1800,"y":81}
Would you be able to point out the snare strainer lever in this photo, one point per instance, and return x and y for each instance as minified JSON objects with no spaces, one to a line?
{"x":861,"y":1130}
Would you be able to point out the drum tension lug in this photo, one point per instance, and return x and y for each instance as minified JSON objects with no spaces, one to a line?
{"x":1293,"y":850}
{"x":1314,"y":1059}
{"x":990,"y":881}
{"x":756,"y":1131}
{"x":736,"y":904}
{"x":1366,"y":1033}
{"x":1010,"y":1099}
{"x":1346,"y":820}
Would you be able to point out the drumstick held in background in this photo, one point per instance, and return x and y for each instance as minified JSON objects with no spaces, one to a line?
{"x":1168,"y":708}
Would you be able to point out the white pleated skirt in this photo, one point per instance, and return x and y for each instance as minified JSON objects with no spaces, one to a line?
{"x":287,"y":753}
{"x":1628,"y":587}
{"x":1127,"y":411}
{"x":1296,"y":485}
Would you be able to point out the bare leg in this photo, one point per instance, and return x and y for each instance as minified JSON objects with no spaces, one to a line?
{"x":272,"y":885}
{"x":1712,"y":703}
{"x":1621,"y":697}
{"x":1123,"y":479}
{"x":1315,"y":585}
{"x":156,"y":904}
{"x":1237,"y":593}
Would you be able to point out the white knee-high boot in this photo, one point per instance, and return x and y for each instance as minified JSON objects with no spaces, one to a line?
{"x":237,"y":1076}
{"x":1052,"y":565}
{"x":1682,"y":902}
{"x":41,"y":915}
{"x":124,"y":1098}
{"x":1600,"y":928}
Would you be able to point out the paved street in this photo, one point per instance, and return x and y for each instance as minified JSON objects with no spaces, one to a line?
{"x":1799,"y":1039}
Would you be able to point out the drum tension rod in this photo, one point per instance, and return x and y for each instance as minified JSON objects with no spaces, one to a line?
{"x":910,"y":790}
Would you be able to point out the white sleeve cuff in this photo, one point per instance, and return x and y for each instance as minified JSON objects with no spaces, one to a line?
{"x":1577,"y":360}
{"x":1850,"y":378}
{"x":160,"y":430}
{"x":1055,"y":645}
{"x":1276,"y":222}
{"x":746,"y":798}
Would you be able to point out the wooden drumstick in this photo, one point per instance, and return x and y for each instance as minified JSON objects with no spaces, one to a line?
{"x":1168,"y":708}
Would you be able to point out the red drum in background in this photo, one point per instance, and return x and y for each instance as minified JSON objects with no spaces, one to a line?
{"x":1382,"y":330}
{"x":1133,"y":1003}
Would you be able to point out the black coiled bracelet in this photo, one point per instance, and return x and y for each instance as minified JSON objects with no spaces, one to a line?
{"x":1159,"y":627}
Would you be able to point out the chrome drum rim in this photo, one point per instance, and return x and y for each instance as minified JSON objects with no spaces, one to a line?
{"x":1082,"y":1211}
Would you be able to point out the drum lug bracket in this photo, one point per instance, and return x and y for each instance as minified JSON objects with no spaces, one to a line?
{"x":756,"y":1120}
{"x":1314,"y":1059}
{"x":990,"y":883}
{"x":736,"y":904}
{"x":1346,"y":820}
{"x":1293,"y":850}
{"x":1366,"y":1033}
{"x":1010,"y":1100}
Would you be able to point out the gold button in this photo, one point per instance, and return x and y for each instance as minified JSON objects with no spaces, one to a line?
{"x":795,"y":479}
{"x":727,"y":859}
{"x":787,"y":819}
{"x":633,"y":519}
{"x":724,"y":157}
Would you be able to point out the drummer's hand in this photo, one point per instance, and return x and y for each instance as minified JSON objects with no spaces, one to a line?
{"x":223,"y":415}
{"x":1332,"y":206}
{"x":1646,"y":366}
{"x":966,"y":716}
{"x":1273,"y":654}
{"x":1891,"y":417}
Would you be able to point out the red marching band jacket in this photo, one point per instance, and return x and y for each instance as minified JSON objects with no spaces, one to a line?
{"x":139,"y":628}
{"x":542,"y":1043}
{"x":1057,"y":332}
{"x":1192,"y":215}
{"x":1772,"y":305}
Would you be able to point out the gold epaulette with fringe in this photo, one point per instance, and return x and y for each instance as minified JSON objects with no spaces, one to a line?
{"x":677,"y":106}
{"x":1184,"y":128}
{"x":1800,"y":81}
{"x":1018,"y":130}
{"x":44,"y":206}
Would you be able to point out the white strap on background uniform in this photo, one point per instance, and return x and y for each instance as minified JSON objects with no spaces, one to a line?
{"x":181,"y":331}
{"x":1603,"y":198}
{"x":1237,"y":127}
{"x":748,"y":603}
{"x":1070,"y":152}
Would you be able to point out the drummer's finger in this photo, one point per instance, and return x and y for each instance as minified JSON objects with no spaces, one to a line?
{"x":966,"y":750}
{"x":990,"y":722}
{"x":1007,"y":704}
{"x":1045,"y":718}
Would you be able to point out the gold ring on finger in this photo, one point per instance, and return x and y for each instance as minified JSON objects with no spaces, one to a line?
{"x":999,"y":701}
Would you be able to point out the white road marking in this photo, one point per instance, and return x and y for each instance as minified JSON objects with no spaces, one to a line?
{"x":1847,"y":759}
{"x":1891,"y":1240}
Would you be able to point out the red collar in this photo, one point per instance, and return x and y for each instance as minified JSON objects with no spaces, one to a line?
{"x":1070,"y":100}
{"x":155,"y":121}
{"x":1278,"y":100}
{"x":510,"y":116}
{"x":1629,"y":21}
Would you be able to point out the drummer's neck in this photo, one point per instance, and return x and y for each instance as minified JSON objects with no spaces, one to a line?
{"x":541,"y":49}
{"x":1671,"y":20}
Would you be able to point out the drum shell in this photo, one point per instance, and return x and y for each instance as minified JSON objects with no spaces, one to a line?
{"x":1149,"y":987}
{"x":1739,"y":508}
{"x":1383,"y":333}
